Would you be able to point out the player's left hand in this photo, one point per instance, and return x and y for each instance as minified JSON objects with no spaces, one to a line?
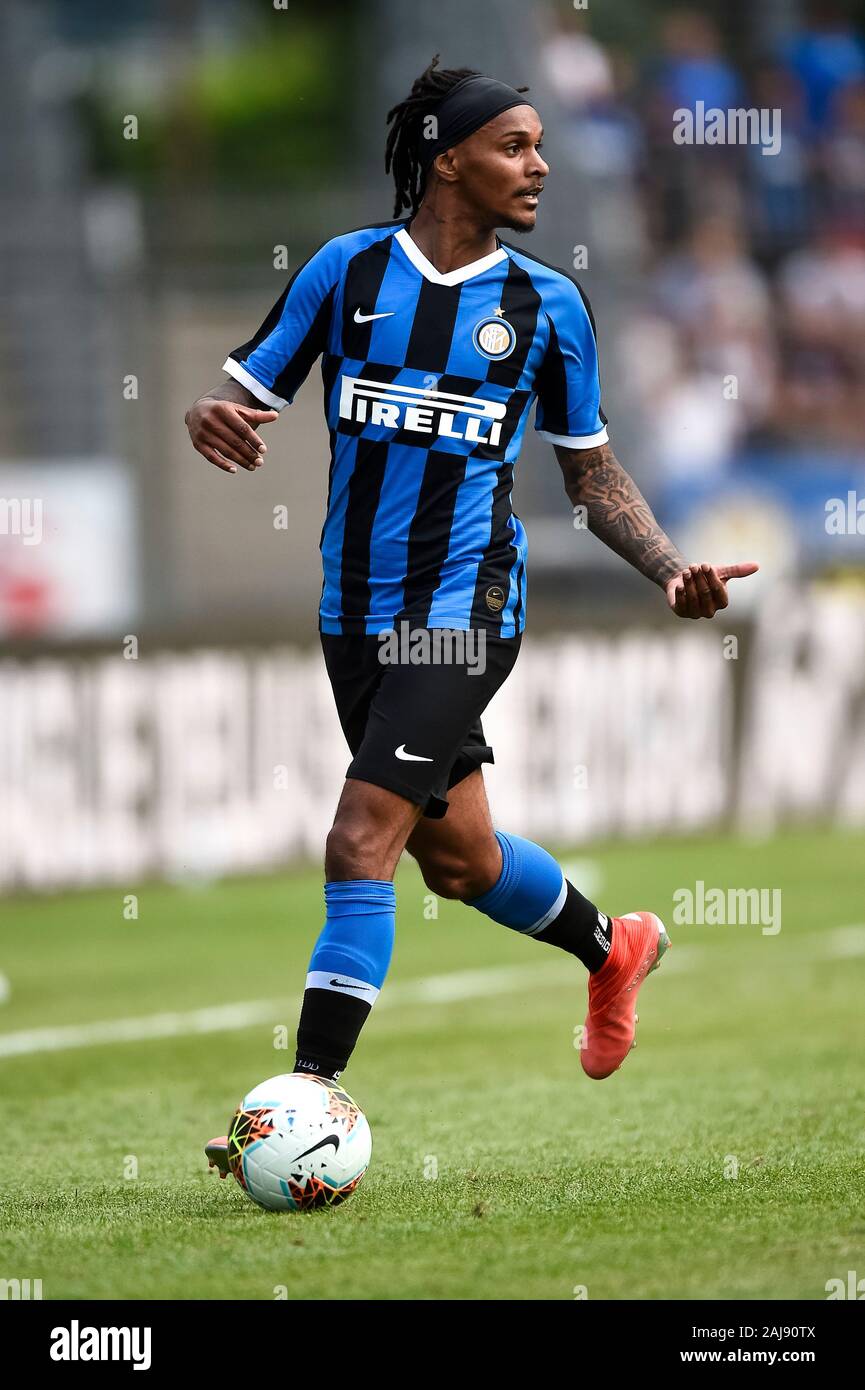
{"x":700,"y":590}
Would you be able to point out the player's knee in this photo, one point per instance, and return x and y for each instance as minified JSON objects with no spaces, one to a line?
{"x":348,"y":850}
{"x":454,"y":878}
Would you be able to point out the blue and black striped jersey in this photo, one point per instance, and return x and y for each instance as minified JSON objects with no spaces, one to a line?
{"x":429,"y":379}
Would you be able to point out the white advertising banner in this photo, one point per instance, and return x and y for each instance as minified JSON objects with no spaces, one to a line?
{"x":209,"y":762}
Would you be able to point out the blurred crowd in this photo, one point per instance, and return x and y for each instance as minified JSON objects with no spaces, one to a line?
{"x":751,"y":331}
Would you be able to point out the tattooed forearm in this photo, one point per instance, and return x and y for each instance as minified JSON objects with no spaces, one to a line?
{"x":617,"y":512}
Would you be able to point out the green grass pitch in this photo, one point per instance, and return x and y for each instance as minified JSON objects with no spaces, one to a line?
{"x":499,"y":1170}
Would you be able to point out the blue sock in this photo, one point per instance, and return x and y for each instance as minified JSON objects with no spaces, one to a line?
{"x":532,"y":896}
{"x":346,"y":972}
{"x":530,"y":890}
{"x":356,"y":941}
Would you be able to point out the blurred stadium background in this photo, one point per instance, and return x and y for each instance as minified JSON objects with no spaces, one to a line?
{"x":164,"y":169}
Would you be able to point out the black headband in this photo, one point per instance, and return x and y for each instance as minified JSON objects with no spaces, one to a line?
{"x":468,"y":106}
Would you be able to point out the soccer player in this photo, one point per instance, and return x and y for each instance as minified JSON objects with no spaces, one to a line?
{"x":436,"y":339}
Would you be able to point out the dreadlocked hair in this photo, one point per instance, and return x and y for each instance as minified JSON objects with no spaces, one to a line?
{"x":404,"y":137}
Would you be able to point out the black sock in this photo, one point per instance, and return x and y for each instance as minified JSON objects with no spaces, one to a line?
{"x":581,"y":929}
{"x":329,"y":1027}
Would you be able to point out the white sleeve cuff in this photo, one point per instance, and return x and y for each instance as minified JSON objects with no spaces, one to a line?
{"x":585,"y":441}
{"x":246,"y":379}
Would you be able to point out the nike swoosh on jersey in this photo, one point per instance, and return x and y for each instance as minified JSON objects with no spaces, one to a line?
{"x":411,"y":757}
{"x":344,"y":984}
{"x":367,"y":318}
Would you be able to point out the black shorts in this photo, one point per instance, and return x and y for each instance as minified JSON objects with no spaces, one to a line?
{"x":415,"y":729}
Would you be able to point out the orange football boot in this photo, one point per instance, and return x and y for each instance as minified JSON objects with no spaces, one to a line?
{"x":216,"y":1153}
{"x":639,"y":942}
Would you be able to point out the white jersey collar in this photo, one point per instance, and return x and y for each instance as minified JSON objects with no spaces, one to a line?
{"x":453,"y":277}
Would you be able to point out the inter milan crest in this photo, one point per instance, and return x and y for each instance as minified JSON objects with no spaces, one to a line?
{"x":494,"y":338}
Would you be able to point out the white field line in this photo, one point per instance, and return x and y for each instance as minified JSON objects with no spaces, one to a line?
{"x":454,"y":987}
{"x":224,"y":1018}
{"x":844,"y":942}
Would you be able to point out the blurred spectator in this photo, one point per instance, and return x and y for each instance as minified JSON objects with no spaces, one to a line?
{"x":692,"y":67}
{"x":577,"y":67}
{"x":825,"y":56}
{"x":603,"y":134}
{"x":702,"y":362}
{"x":822,"y":299}
{"x":780,"y":206}
{"x":691,"y":427}
{"x":841,"y":158}
{"x":822,"y":289}
{"x":719,"y":302}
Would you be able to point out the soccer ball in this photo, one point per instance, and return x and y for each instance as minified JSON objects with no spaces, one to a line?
{"x":297,"y":1142}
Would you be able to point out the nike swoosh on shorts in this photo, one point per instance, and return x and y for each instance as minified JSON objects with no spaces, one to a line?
{"x":411,"y":757}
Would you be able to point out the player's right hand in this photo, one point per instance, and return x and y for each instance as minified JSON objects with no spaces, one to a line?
{"x":222,"y":432}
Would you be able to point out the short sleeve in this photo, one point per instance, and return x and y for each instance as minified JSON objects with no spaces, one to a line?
{"x":274,"y":364}
{"x":567,"y":383}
